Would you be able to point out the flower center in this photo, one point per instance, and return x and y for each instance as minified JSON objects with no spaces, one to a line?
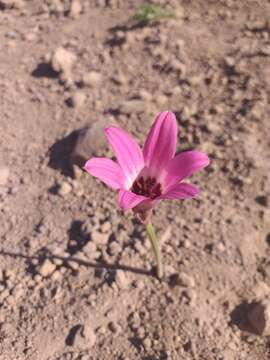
{"x":148,"y":187}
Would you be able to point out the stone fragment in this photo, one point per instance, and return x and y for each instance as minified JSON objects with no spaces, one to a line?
{"x":47,"y":268}
{"x":63,"y":60}
{"x":161,"y":100}
{"x":122,"y":280}
{"x":114,"y":327}
{"x":115,"y":248}
{"x":81,"y":336}
{"x":99,"y":238}
{"x":91,"y":79}
{"x":75,"y":9}
{"x":182,"y":279}
{"x":77,"y":99}
{"x":64,"y":188}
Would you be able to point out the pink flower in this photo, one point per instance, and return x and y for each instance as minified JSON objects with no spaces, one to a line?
{"x":145,"y":177}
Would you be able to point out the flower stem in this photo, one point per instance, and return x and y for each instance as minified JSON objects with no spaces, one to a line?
{"x":155,"y":245}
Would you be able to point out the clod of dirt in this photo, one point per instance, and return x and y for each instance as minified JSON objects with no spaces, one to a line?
{"x":77,"y":100}
{"x":75,"y":9}
{"x":259,"y":317}
{"x":63,"y":60}
{"x":47,"y":268}
{"x":90,"y":140}
{"x":91,"y":79}
{"x":121,"y":280}
{"x":64,"y":188}
{"x":114,"y":327}
{"x":90,"y":250}
{"x":99,"y":238}
{"x":161,"y":100}
{"x":4,"y":175}
{"x":81,"y":336}
{"x":182,"y":279}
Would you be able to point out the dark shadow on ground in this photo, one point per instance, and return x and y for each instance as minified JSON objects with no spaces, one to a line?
{"x":44,"y":70}
{"x":78,"y":237}
{"x":60,"y":153}
{"x":69,"y":259}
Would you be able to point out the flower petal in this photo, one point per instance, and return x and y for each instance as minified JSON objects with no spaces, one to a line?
{"x":180,"y":191}
{"x":128,"y":153}
{"x":128,"y":200}
{"x":160,"y":145}
{"x":107,"y":171}
{"x":184,"y":165}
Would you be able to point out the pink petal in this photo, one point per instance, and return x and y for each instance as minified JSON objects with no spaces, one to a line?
{"x":184,"y":165}
{"x":128,"y":153}
{"x":180,"y":191}
{"x":160,"y":145}
{"x":128,"y":200}
{"x":107,"y":171}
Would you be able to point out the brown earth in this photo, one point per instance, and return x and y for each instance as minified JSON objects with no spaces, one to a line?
{"x":62,"y":70}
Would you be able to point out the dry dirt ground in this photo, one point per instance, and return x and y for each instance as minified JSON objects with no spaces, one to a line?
{"x":76,"y":279}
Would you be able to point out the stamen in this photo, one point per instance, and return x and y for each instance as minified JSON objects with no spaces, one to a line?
{"x":148,"y":187}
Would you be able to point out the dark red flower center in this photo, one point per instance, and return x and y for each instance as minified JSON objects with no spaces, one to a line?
{"x":148,"y":187}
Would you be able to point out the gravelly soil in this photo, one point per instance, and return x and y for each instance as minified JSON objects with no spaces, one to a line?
{"x":76,"y":277}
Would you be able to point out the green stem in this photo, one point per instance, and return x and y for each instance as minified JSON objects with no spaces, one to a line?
{"x":155,"y":245}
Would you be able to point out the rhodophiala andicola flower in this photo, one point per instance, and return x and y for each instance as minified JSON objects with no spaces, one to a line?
{"x":144,"y":177}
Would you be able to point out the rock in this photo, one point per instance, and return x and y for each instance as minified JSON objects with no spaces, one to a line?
{"x":122,"y":280}
{"x":106,"y":227}
{"x":114,"y":327}
{"x":166,"y":235}
{"x":115,"y":248}
{"x":63,"y":60}
{"x":30,"y":36}
{"x":147,"y":343}
{"x":259,"y":317}
{"x":99,"y":238}
{"x":4,"y":175}
{"x":89,"y":141}
{"x":91,"y":79}
{"x":182,"y":279}
{"x":77,"y":99}
{"x":139,"y":284}
{"x":81,"y":336}
{"x":47,"y":268}
{"x":75,"y":9}
{"x":90,"y":250}
{"x":119,"y":79}
{"x":161,"y":100}
{"x":64,"y":188}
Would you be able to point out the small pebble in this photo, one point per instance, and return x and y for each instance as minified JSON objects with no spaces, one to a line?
{"x":91,"y":79}
{"x":122,"y":280}
{"x":75,"y":9}
{"x":77,"y":99}
{"x":47,"y":268}
{"x":64,"y":188}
